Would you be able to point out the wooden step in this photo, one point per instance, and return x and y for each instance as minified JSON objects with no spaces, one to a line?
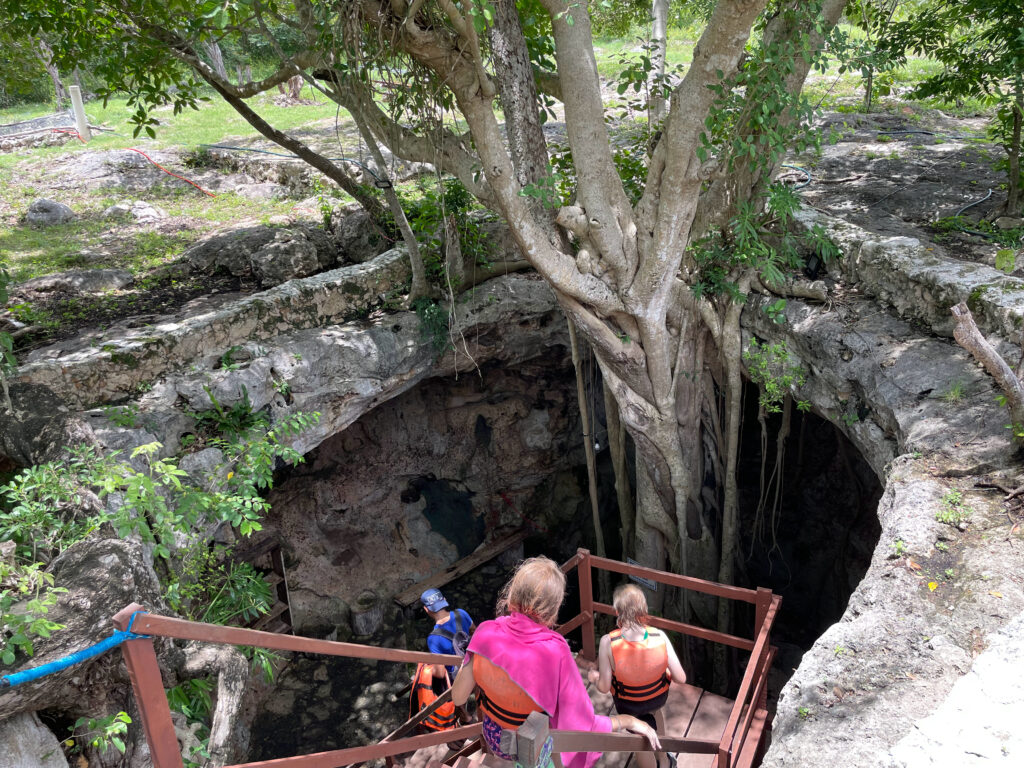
{"x":411,"y":595}
{"x":276,"y":610}
{"x":279,"y":627}
{"x":273,"y":579}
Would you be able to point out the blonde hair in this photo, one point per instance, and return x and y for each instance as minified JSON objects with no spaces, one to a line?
{"x":536,"y":589}
{"x":630,"y":606}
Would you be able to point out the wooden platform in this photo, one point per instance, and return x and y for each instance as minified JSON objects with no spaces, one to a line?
{"x":689,"y":712}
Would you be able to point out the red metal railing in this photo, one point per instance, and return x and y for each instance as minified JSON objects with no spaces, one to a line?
{"x":751,"y":699}
{"x":140,"y":658}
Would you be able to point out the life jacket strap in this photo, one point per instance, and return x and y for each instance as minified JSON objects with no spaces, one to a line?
{"x":640,"y":692}
{"x":513,"y":719}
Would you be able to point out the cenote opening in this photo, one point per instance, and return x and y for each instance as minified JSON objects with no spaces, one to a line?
{"x":422,"y":480}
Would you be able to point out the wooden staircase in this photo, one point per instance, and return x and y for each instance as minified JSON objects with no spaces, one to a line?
{"x":267,"y":557}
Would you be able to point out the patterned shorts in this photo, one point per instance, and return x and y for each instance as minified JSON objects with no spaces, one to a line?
{"x":492,"y":735}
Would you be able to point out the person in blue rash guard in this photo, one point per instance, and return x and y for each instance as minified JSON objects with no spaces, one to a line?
{"x":452,"y":627}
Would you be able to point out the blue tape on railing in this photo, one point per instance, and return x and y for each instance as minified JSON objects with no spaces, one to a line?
{"x":28,"y":675}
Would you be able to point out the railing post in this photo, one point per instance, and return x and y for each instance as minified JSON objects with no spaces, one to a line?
{"x":148,"y":685}
{"x":532,"y":749}
{"x":762,"y":604}
{"x":587,"y":605}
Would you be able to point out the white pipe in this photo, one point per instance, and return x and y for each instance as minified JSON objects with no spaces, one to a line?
{"x":80,"y":122}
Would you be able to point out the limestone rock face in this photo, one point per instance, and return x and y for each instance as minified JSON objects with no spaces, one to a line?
{"x":102,"y":577}
{"x":27,"y":743}
{"x":80,"y":281}
{"x":272,"y":254}
{"x":920,"y":284}
{"x":420,"y":480}
{"x":46,"y":213}
{"x":866,"y":692}
{"x":139,"y":210}
{"x":39,"y":427}
{"x":1009,"y":222}
{"x":288,"y":256}
{"x":978,"y":724}
{"x":357,"y":238}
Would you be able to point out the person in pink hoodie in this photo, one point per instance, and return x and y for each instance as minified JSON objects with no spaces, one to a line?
{"x":518,"y":664}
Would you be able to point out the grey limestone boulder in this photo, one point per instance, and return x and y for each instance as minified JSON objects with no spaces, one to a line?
{"x":80,"y":281}
{"x":27,"y":743}
{"x":206,"y":468}
{"x":272,"y":254}
{"x":357,"y":238}
{"x":45,"y":213}
{"x":140,"y":210}
{"x":291,"y":254}
{"x":1008,"y":222}
{"x":262,"y":191}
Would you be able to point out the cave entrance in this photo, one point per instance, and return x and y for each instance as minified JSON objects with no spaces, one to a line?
{"x":809,"y":533}
{"x":422,"y":479}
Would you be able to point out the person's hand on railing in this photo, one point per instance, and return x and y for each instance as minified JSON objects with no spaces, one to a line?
{"x":635,"y":725}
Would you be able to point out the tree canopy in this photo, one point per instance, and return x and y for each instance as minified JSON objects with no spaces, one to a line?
{"x":653,"y":270}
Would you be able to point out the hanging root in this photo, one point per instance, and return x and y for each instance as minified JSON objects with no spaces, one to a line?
{"x":758,"y":527}
{"x":777,"y":472}
{"x":772,"y":485}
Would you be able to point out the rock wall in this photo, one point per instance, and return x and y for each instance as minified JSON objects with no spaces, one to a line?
{"x":419,"y":482}
{"x":933,"y":593}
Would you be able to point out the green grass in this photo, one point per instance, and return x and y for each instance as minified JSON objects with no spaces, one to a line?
{"x":214,"y":122}
{"x":678,"y":50}
{"x":30,"y":252}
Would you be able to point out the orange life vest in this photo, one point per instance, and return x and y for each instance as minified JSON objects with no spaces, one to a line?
{"x":499,"y":697}
{"x":641,"y":668}
{"x":442,"y":718}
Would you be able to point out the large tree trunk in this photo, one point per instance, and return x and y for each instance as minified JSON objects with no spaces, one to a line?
{"x":587,"y":421}
{"x":517,"y":92}
{"x":623,"y":493}
{"x":651,"y":546}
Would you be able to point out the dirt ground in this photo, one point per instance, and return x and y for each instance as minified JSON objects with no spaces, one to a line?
{"x":903,"y":174}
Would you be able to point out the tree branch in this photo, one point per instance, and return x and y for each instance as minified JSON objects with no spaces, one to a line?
{"x":431,"y":50}
{"x":797,"y":289}
{"x":599,"y":188}
{"x":444,"y":150}
{"x":669,"y":203}
{"x":970,"y":338}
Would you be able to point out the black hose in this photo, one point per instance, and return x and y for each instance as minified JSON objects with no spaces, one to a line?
{"x":971,"y":205}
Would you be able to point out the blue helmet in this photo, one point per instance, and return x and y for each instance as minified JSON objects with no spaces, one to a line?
{"x":433,"y":600}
